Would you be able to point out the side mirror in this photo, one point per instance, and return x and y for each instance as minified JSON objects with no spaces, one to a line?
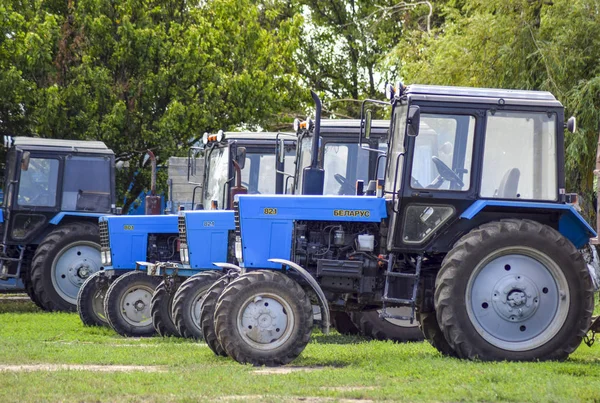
{"x":368,"y":121}
{"x":240,"y":156}
{"x":572,"y":124}
{"x":413,"y":121}
{"x":25,"y":161}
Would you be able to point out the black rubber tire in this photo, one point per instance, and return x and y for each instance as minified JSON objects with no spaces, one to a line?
{"x":207,"y":316}
{"x":161,"y":309}
{"x":370,"y":325}
{"x":255,"y":283}
{"x":433,"y":334}
{"x":341,"y":322}
{"x":183,"y":303}
{"x":473,"y":248}
{"x":41,"y":267}
{"x":26,"y":277}
{"x":112,"y":304}
{"x":93,"y":291}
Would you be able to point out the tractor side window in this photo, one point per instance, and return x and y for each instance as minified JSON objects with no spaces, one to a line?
{"x":37,"y":186}
{"x":344,"y":164}
{"x":519,"y":160}
{"x":86,"y":184}
{"x":259,"y":174}
{"x":443,"y":153}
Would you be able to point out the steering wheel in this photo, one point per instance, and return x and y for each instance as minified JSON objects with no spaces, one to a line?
{"x":346,"y":187}
{"x":247,"y":186}
{"x":446,"y":172}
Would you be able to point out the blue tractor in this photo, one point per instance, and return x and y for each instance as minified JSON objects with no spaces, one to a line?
{"x":472,"y":230}
{"x":120,"y":295}
{"x":345,"y":162}
{"x":50,"y":213}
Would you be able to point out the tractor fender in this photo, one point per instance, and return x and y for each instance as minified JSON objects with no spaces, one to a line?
{"x":229,"y":266}
{"x":315,"y":286}
{"x":571,"y":224}
{"x":58,"y":218}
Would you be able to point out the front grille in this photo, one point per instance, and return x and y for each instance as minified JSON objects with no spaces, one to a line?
{"x":104,"y":242}
{"x":236,"y":218}
{"x":181,"y":226}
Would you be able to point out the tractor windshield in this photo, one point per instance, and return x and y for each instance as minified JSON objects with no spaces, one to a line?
{"x":259,"y":175}
{"x":217,"y":175}
{"x":344,"y":164}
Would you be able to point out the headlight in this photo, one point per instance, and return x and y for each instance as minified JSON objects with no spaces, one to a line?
{"x":105,"y":257}
{"x":220,"y":135}
{"x":238,"y":249}
{"x":184,"y":254}
{"x":205,"y":138}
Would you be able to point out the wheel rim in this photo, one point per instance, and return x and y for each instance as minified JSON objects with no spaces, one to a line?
{"x":517,"y":298}
{"x":98,"y":303}
{"x":135,"y":305}
{"x":400,"y":311}
{"x":265,"y":321}
{"x":196,"y":307}
{"x":72,"y":266}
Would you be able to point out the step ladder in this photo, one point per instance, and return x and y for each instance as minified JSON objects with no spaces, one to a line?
{"x":387,"y":300}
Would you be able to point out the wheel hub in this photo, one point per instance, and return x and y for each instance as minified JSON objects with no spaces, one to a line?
{"x":139,"y":305}
{"x":515,"y":297}
{"x":72,"y":266}
{"x":135,"y":305}
{"x":264,"y":320}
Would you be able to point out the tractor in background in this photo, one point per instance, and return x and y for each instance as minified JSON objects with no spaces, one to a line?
{"x":50,"y":213}
{"x":136,"y":303}
{"x":472,"y":230}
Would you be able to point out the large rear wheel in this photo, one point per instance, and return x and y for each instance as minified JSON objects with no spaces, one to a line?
{"x":514,"y":290}
{"x":127,"y":304}
{"x":62,"y":262}
{"x":371,"y":325}
{"x":264,"y":318}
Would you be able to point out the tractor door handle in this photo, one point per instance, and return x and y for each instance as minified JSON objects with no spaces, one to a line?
{"x":422,"y":194}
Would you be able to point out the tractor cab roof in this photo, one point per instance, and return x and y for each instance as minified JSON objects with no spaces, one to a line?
{"x":341,"y":127}
{"x":64,"y":146}
{"x":439,"y":93}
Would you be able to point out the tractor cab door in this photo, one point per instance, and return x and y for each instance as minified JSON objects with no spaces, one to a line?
{"x":430,"y":174}
{"x":33,"y":198}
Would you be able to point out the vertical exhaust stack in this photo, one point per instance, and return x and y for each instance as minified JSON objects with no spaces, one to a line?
{"x":152,"y":200}
{"x":238,"y":189}
{"x":313,"y":179}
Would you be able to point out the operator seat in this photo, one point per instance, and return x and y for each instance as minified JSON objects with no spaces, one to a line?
{"x":509,"y":184}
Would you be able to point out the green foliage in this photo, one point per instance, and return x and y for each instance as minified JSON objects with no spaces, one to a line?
{"x":146,"y":74}
{"x":522,"y":44}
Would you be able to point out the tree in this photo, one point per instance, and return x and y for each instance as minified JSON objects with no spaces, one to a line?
{"x":521,"y":44}
{"x":151,"y":74}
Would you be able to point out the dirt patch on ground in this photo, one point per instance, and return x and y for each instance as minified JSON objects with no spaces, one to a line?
{"x":285,"y":370}
{"x":13,"y":298}
{"x":348,"y":388}
{"x":308,"y":399}
{"x":77,"y":367}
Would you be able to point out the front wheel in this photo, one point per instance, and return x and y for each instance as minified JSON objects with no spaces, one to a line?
{"x":514,"y":290}
{"x":90,"y":300}
{"x":207,"y":316}
{"x":264,"y":318}
{"x":187,"y":303}
{"x":127,"y":304}
{"x":161,"y":308}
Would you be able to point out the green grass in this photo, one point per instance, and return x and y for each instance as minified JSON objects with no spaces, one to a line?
{"x":348,"y":368}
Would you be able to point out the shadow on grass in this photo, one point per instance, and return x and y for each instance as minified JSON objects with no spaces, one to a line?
{"x":16,"y":303}
{"x":336,"y":338}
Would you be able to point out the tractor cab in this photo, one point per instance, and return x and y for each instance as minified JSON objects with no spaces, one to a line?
{"x":241,"y":163}
{"x":340,"y":155}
